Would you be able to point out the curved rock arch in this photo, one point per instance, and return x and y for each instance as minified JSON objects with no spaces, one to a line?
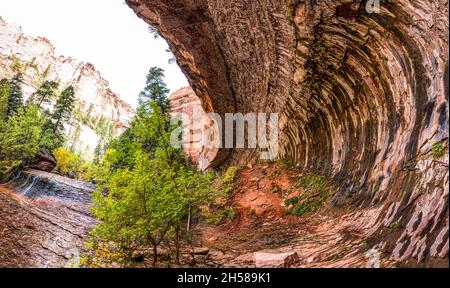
{"x":363,"y":96}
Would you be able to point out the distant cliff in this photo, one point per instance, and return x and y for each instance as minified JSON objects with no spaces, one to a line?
{"x":99,"y":113}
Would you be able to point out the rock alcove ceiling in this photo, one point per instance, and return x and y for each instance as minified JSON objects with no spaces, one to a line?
{"x":363,"y":97}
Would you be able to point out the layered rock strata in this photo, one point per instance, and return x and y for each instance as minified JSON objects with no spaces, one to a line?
{"x":362,"y":94}
{"x":186,"y":106}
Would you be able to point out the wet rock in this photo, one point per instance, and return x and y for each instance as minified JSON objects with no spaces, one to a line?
{"x":44,"y":219}
{"x":268,"y":260}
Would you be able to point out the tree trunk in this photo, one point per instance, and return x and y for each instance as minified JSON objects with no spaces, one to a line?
{"x":56,"y":126}
{"x":177,"y":245}
{"x":155,"y":254}
{"x":188,"y":227}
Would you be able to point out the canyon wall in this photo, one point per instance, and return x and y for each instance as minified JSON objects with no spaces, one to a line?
{"x":362,"y":96}
{"x":187,"y":107}
{"x":99,"y":113}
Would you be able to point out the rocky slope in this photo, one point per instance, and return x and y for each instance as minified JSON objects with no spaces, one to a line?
{"x":44,"y":219}
{"x":99,"y":112}
{"x":363,"y":99}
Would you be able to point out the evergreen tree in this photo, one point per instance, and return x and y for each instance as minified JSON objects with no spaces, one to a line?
{"x":125,"y":148}
{"x":44,"y":94}
{"x":63,"y":109}
{"x":149,"y":194}
{"x":98,"y":152}
{"x":146,"y":126}
{"x":155,"y":89}
{"x":151,"y":188}
{"x":19,"y":138}
{"x":15,"y":100}
{"x":4,"y":96}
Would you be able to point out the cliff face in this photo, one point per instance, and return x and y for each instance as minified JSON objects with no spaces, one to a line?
{"x":185,"y":102}
{"x":99,"y":112}
{"x":363,"y":98}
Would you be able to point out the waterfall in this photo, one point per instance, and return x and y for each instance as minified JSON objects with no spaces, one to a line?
{"x":29,"y":186}
{"x":56,"y":219}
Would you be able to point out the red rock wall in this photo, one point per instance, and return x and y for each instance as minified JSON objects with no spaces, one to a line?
{"x":363,"y":98}
{"x":185,"y":102}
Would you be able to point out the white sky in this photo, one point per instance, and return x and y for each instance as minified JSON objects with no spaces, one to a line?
{"x":104,"y":32}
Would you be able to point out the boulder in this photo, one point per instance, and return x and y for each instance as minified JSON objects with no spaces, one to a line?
{"x":201,"y":251}
{"x":43,"y":161}
{"x":269,"y":260}
{"x":72,"y":174}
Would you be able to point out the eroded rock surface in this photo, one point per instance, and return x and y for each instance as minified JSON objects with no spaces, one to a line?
{"x":267,"y":260}
{"x":187,"y":107}
{"x":44,"y":219}
{"x":363,"y":98}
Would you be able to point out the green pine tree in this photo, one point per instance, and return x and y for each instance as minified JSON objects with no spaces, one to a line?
{"x":63,"y":109}
{"x":155,"y":89}
{"x":19,"y":139}
{"x":44,"y":94}
{"x":4,"y":96}
{"x":15,"y":100}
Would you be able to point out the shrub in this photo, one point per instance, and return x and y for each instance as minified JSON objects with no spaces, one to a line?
{"x":437,"y":149}
{"x":232,"y":214}
{"x":214,"y":210}
{"x":291,"y":201}
{"x":393,"y":225}
{"x":66,"y":161}
{"x":213,"y":217}
{"x":316,"y":190}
